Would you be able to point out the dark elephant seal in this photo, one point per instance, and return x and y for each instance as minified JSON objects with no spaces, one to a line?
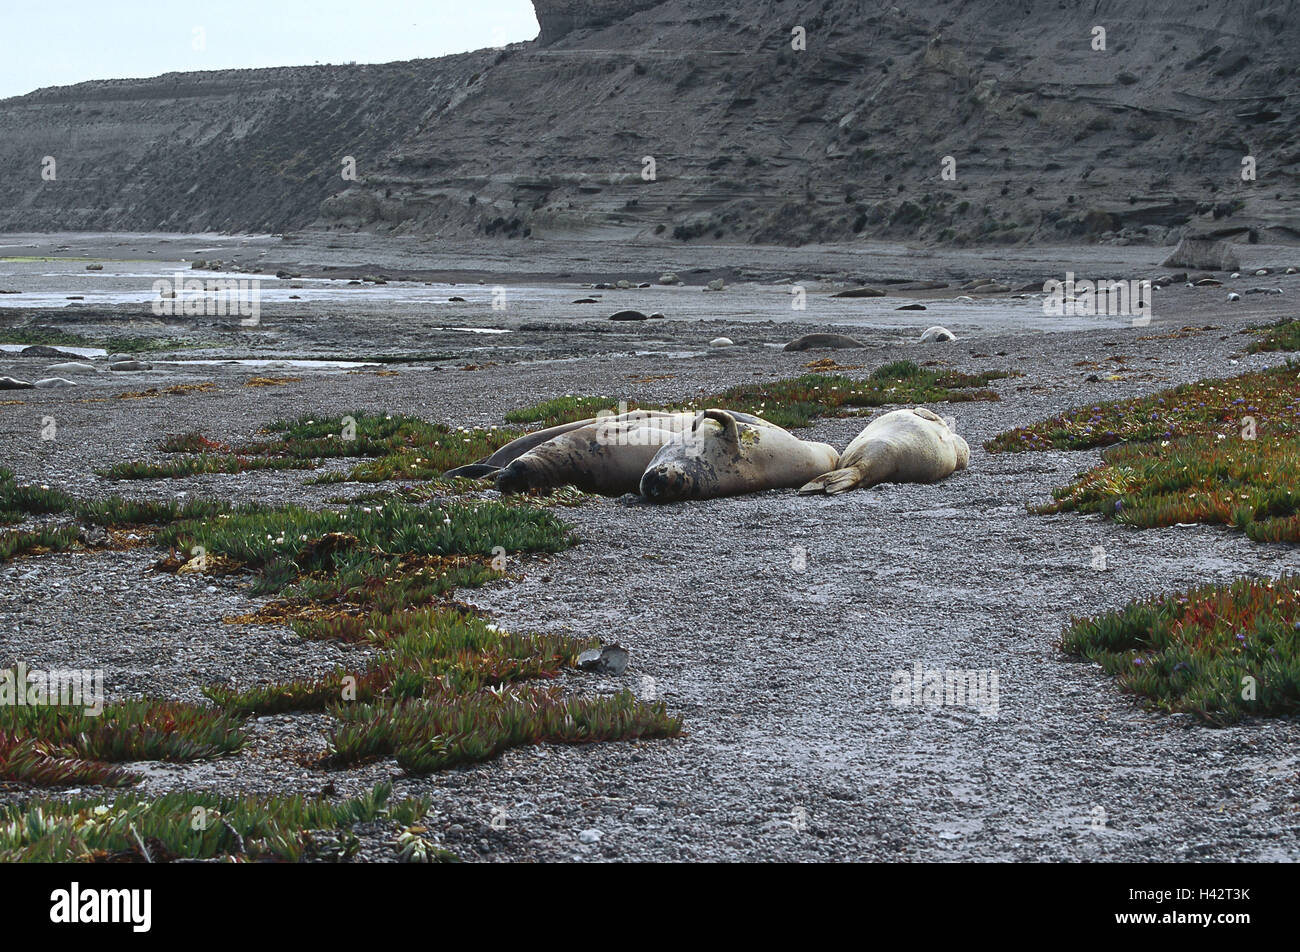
{"x":724,"y":456}
{"x":823,"y":342}
{"x":903,"y":446}
{"x":489,"y":466}
{"x":605,"y":457}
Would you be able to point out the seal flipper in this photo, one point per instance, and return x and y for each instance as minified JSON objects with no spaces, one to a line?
{"x":728,"y":423}
{"x":832,"y":483}
{"x":473,"y":471}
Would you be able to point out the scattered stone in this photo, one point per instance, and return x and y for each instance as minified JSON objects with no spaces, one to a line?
{"x":590,"y":837}
{"x":130,"y":365}
{"x":1234,"y":296}
{"x":628,"y":316}
{"x":94,"y":267}
{"x":823,"y":342}
{"x":456,"y":300}
{"x":937,"y":333}
{"x":717,"y":284}
{"x":668,"y":277}
{"x":95,"y":537}
{"x":1263,"y":290}
{"x":624,"y":285}
{"x":53,"y":383}
{"x":658,"y":316}
{"x":859,"y":293}
{"x":611,"y":660}
{"x":11,"y":383}
{"x":722,"y":342}
{"x":1291,"y":271}
{"x":1261,"y":272}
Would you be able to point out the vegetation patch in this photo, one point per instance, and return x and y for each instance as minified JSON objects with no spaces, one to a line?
{"x":1284,"y":335}
{"x":1246,"y":484}
{"x":425,"y":735}
{"x":1205,"y":408}
{"x":397,"y":447}
{"x":567,"y":409}
{"x":16,"y":542}
{"x":56,"y":743}
{"x":1221,"y":652}
{"x":201,"y":825}
{"x":795,"y":402}
{"x":1216,"y":451}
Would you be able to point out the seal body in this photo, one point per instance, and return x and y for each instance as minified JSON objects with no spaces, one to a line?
{"x":606,"y":457}
{"x":723,"y":455}
{"x":903,"y":446}
{"x":937,"y":333}
{"x":823,"y":342}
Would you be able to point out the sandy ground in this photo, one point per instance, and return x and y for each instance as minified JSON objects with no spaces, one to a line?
{"x":773,"y":624}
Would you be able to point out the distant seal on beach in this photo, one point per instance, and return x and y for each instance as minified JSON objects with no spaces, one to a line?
{"x":937,"y":333}
{"x":605,"y":457}
{"x":629,"y":316}
{"x":902,"y":446}
{"x":53,"y":383}
{"x":71,"y":367}
{"x":11,"y":383}
{"x":725,"y":456}
{"x":823,"y":342}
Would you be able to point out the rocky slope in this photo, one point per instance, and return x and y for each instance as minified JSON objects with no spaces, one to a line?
{"x":752,"y":140}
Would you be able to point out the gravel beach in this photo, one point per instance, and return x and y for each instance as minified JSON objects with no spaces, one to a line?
{"x":773,"y":624}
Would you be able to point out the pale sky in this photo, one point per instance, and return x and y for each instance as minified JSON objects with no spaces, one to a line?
{"x":60,"y":42}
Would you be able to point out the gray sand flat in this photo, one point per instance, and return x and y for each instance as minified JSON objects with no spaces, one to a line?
{"x":793,"y":747}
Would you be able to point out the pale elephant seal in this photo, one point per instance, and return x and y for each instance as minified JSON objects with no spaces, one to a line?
{"x":902,"y":446}
{"x":606,"y":457}
{"x":823,"y":342}
{"x":724,"y":456}
{"x":71,"y":367}
{"x":53,"y":383}
{"x":937,"y":333}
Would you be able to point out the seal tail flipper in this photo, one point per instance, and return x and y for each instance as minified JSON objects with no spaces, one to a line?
{"x":832,"y":483}
{"x":722,"y":417}
{"x":473,"y":471}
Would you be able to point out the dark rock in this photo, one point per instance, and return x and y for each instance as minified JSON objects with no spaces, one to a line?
{"x":611,"y":660}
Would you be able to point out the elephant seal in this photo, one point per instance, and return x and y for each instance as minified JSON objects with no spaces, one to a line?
{"x":605,"y":457}
{"x":491,"y":465}
{"x":722,"y":455}
{"x":902,"y":446}
{"x":823,"y":342}
{"x":937,"y":333}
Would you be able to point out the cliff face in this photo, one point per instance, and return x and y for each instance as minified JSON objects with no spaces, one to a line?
{"x":238,"y":150}
{"x":751,"y":140}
